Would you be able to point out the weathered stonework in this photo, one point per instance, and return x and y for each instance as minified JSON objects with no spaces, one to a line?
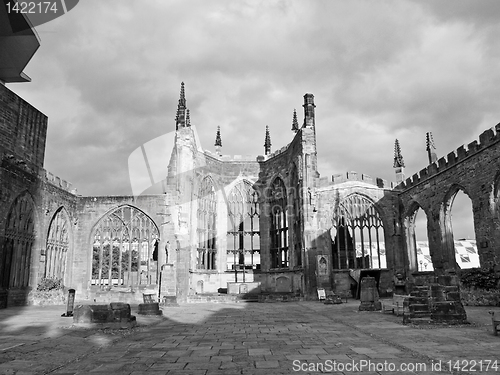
{"x":313,"y":225}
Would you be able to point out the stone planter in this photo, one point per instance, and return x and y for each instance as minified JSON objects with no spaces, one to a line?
{"x":51,"y":297}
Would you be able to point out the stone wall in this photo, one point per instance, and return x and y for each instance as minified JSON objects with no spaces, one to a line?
{"x":476,"y":171}
{"x":90,"y":210}
{"x":23,"y":130}
{"x":22,"y":144}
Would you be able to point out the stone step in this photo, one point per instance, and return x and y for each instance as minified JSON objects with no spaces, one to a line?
{"x":421,"y":320}
{"x":417,"y":307}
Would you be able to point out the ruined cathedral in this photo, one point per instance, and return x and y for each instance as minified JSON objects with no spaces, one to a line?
{"x":231,"y":225}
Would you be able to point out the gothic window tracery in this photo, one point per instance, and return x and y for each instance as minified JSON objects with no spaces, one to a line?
{"x":207,"y":226}
{"x":358,"y":235}
{"x":124,"y":244}
{"x":296,"y":216}
{"x":279,"y":225}
{"x":243,"y":235}
{"x":57,"y":246}
{"x":18,"y":243}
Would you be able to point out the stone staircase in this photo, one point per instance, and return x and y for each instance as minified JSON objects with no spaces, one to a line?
{"x":416,"y":307}
{"x":438,"y":302}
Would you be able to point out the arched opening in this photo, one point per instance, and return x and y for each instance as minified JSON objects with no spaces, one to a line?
{"x":296,"y":216}
{"x":358,"y":235}
{"x":18,"y":243}
{"x":279,"y":225}
{"x":57,"y":245}
{"x":419,"y":257}
{"x":207,"y":226}
{"x":124,"y":244}
{"x":460,"y":222}
{"x":243,"y":234}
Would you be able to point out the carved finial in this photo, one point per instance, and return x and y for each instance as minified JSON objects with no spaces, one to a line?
{"x":399,"y":164}
{"x":188,"y":118}
{"x":267,"y":142}
{"x":218,"y":140}
{"x":182,"y":99}
{"x":295,"y":123}
{"x":430,"y":147}
{"x":180,"y":118}
{"x":398,"y":158}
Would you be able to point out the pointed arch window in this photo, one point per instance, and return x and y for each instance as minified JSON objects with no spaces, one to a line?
{"x":358,"y":235}
{"x":296,"y":217}
{"x":243,"y":235}
{"x":57,"y":246}
{"x":124,"y":243}
{"x":207,"y":226}
{"x":18,"y":243}
{"x":279,"y":225}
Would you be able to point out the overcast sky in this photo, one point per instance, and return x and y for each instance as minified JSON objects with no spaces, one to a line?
{"x":108,"y":75}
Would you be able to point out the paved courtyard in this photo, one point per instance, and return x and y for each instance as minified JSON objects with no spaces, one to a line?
{"x":246,"y":338}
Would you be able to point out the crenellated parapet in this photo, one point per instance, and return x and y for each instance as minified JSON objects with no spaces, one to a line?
{"x":355,"y":177}
{"x":57,"y":181}
{"x":231,"y":158}
{"x":237,"y":158}
{"x":488,"y":138}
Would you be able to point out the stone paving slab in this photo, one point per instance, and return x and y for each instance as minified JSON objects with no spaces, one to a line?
{"x":243,"y":338}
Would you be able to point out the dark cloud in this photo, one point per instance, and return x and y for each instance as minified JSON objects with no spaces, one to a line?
{"x":483,"y":13}
{"x":108,"y":74}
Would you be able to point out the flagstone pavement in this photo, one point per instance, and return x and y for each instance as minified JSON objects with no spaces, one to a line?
{"x":247,"y":338}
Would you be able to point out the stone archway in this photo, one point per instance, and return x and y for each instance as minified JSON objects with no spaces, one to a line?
{"x":418,"y":250}
{"x":57,"y":246}
{"x":18,"y":241}
{"x":461,"y":251}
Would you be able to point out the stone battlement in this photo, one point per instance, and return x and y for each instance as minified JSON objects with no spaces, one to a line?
{"x":57,"y":181}
{"x":277,"y":152}
{"x":235,"y":158}
{"x":354,"y":176}
{"x":487,"y":138}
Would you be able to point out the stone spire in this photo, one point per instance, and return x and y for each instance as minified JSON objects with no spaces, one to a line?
{"x":399,"y":163}
{"x":218,"y":142}
{"x":182,"y":117}
{"x":398,"y":158}
{"x":295,"y":123}
{"x":267,"y":142}
{"x":430,"y":147}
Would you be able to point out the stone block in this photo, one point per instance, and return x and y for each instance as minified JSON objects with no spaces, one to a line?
{"x":150,"y":309}
{"x":115,"y":315}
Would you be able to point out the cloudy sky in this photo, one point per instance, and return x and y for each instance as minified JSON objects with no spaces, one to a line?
{"x":108,"y":74}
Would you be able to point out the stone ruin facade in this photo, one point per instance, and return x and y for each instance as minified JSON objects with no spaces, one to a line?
{"x":263,"y":225}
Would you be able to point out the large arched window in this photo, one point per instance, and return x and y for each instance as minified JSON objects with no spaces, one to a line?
{"x":18,"y":243}
{"x":207,"y":226}
{"x":243,"y":234}
{"x":57,"y":245}
{"x":296,"y":217}
{"x":460,"y":238}
{"x":125,"y":249}
{"x":358,"y":235}
{"x":419,"y":257}
{"x":279,"y":225}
